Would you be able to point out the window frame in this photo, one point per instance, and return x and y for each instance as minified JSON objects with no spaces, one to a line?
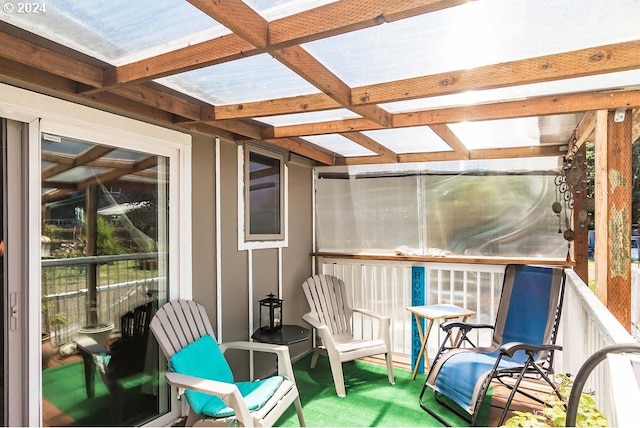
{"x":247,"y":240}
{"x":46,"y":114}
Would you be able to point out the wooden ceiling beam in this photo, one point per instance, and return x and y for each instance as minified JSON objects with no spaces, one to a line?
{"x":303,"y":148}
{"x":43,"y":59}
{"x":444,"y":132}
{"x":146,"y":163}
{"x":222,"y":49}
{"x":34,"y":76}
{"x":239,"y":127}
{"x":80,"y":160}
{"x":325,"y":21}
{"x":289,"y":105}
{"x":205,"y":129}
{"x":518,"y":152}
{"x":584,"y":131}
{"x":310,"y":69}
{"x":237,"y":16}
{"x":161,"y":100}
{"x":501,"y":153}
{"x":371,"y":144}
{"x":540,"y":106}
{"x":321,"y":128}
{"x":494,"y":76}
{"x":584,"y":62}
{"x":107,"y":177}
{"x":133,"y":107}
{"x":346,"y":16}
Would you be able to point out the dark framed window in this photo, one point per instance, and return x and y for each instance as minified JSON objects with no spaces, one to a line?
{"x":264,"y":194}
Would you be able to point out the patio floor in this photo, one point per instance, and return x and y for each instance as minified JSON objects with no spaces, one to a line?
{"x":54,"y":417}
{"x":499,"y":397}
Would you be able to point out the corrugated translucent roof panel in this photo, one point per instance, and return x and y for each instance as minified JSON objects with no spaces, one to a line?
{"x":339,"y":144}
{"x":255,"y":78}
{"x":520,"y":132}
{"x":113,"y":31}
{"x":275,"y":9}
{"x":409,"y":140}
{"x":474,"y":34}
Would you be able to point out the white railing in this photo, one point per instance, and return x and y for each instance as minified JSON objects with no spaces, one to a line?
{"x":385,"y":287}
{"x":586,"y":324}
{"x":586,"y":327}
{"x":635,"y":304}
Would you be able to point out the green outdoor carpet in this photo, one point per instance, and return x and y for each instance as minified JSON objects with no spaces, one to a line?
{"x":370,"y":401}
{"x":64,"y":387}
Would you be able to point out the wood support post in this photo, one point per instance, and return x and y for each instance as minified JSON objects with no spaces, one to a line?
{"x":613,"y":214}
{"x":580,"y":246}
{"x":91,"y":220}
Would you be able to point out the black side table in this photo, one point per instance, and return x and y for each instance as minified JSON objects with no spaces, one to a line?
{"x":287,"y":335}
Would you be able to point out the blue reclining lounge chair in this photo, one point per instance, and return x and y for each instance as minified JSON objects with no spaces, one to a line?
{"x":522,"y":345}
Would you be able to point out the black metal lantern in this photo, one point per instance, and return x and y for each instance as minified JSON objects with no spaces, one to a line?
{"x":271,"y":313}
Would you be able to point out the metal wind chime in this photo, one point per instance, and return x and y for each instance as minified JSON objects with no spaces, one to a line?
{"x":573,"y":183}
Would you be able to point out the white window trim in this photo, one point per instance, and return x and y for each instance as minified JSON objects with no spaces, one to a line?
{"x":243,"y":243}
{"x":63,"y":117}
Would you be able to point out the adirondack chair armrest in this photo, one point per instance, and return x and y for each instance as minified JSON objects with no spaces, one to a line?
{"x":313,"y":321}
{"x":282,"y":352}
{"x":321,"y":329}
{"x":228,"y":392}
{"x":510,"y":348}
{"x":367,"y":312}
{"x":383,"y":320}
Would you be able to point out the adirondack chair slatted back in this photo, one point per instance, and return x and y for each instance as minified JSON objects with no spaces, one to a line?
{"x":135,"y":324}
{"x":178,"y":323}
{"x":128,"y":354}
{"x":327,"y":297}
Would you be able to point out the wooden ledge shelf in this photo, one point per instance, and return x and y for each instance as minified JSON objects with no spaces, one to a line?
{"x":449,"y":259}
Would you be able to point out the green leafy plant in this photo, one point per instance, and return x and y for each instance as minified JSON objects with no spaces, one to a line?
{"x":554,"y":413}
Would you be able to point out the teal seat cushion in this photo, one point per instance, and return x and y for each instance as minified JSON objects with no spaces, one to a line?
{"x":255,"y":394}
{"x":203,"y":358}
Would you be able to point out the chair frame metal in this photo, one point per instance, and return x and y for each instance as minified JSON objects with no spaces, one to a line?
{"x":532,"y":367}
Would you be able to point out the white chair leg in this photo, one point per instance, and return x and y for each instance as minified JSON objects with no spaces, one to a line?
{"x":389,"y":359}
{"x":338,"y":377}
{"x":299,"y":412}
{"x":314,"y":358}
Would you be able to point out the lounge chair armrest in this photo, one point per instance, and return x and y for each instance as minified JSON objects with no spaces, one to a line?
{"x":228,"y":392}
{"x":447,"y":326}
{"x":510,"y":348}
{"x":282,"y":352}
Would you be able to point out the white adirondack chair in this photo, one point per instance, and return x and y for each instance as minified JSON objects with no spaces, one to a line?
{"x":331,"y":316}
{"x":180,"y":324}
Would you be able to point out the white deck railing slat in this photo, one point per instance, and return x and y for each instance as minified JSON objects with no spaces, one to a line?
{"x":586,"y":324}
